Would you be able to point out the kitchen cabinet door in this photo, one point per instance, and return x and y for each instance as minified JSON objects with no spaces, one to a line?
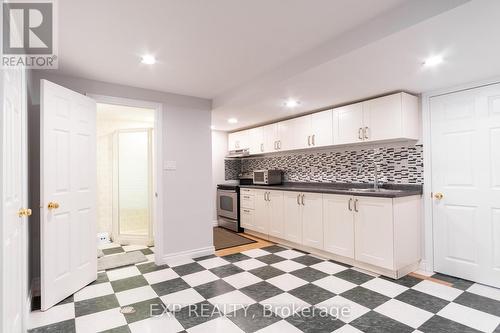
{"x":285,"y":135}
{"x":350,"y":123}
{"x":238,"y":140}
{"x":338,"y":224}
{"x":247,"y":219}
{"x":292,"y":217}
{"x":270,"y":133}
{"x":373,"y":225}
{"x":276,"y":218}
{"x":256,"y":140}
{"x":312,"y":220}
{"x":382,"y":118}
{"x":300,"y":133}
{"x":261,"y":212}
{"x":322,"y":128}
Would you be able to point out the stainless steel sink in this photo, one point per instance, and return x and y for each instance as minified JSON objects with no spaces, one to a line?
{"x":373,"y":190}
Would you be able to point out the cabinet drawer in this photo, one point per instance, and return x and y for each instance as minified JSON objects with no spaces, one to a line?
{"x":247,"y":218}
{"x":246,"y":191}
{"x":247,"y":201}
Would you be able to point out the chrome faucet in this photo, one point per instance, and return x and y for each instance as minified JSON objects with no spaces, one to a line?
{"x":375,"y":182}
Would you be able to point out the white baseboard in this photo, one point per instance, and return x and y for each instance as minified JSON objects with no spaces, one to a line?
{"x":189,"y":254}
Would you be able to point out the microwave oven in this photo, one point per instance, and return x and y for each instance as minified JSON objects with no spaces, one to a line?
{"x":267,"y":177}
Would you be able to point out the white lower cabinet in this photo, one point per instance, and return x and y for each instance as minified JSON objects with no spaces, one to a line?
{"x":373,"y":227}
{"x":292,"y":217}
{"x":312,"y":220}
{"x":304,"y":218}
{"x":268,"y":213}
{"x":338,"y":224}
{"x":276,"y":212}
{"x":381,"y":234}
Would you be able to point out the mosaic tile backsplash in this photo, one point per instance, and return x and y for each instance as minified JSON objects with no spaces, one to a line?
{"x":396,"y":165}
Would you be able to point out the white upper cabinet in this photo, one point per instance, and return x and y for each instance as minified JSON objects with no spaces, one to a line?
{"x":393,"y":117}
{"x":270,"y":133}
{"x":238,"y":140}
{"x":256,"y":141}
{"x":301,"y":132}
{"x":350,"y":123}
{"x":322,"y":124}
{"x":385,"y":118}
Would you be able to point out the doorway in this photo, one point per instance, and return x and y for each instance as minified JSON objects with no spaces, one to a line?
{"x":125,"y":159}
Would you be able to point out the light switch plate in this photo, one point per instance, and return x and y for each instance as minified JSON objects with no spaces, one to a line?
{"x":170,"y":165}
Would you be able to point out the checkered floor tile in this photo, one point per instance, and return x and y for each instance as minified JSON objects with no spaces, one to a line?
{"x":272,"y":289}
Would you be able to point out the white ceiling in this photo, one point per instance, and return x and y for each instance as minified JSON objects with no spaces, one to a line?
{"x":203,"y":47}
{"x":249,"y":56}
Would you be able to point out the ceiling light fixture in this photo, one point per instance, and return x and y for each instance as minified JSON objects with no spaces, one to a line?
{"x":148,"y":59}
{"x":433,"y":61}
{"x":212,"y":127}
{"x":291,"y":103}
{"x":232,"y":120}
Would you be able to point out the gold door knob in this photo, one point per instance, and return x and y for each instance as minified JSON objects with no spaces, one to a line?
{"x":438,"y":196}
{"x":24,"y":212}
{"x":52,"y":205}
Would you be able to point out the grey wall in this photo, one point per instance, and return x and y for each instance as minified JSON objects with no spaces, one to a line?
{"x":186,"y":139}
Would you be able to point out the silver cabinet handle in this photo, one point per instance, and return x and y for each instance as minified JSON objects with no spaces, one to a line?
{"x":313,"y":139}
{"x":308,"y":140}
{"x":275,"y":146}
{"x":298,"y":200}
{"x":246,"y":197}
{"x":268,"y":196}
{"x":360,"y":133}
{"x":262,"y":147}
{"x":349,"y":205}
{"x":365,"y":132}
{"x":303,"y":200}
{"x":265,"y":196}
{"x":279,"y":144}
{"x":356,"y":205}
{"x":246,"y":210}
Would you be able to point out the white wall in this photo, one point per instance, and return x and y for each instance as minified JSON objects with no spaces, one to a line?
{"x":219,"y":151}
{"x":187,"y":191}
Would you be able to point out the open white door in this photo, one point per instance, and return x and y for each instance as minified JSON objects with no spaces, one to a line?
{"x":13,"y":199}
{"x":68,"y":192}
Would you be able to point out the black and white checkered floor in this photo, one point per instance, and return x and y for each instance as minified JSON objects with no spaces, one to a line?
{"x":267,"y":290}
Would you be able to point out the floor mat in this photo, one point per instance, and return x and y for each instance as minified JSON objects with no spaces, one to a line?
{"x":224,"y":238}
{"x":119,"y":260}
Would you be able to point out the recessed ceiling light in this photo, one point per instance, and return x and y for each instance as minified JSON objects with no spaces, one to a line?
{"x":232,"y":120}
{"x":433,"y":61}
{"x":291,"y":103}
{"x":148,"y":59}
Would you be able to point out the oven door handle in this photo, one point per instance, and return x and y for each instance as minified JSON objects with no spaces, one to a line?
{"x":227,"y":191}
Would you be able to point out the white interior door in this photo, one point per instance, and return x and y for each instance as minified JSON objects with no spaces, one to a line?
{"x":68,"y":176}
{"x":13,"y":199}
{"x":465,"y":130}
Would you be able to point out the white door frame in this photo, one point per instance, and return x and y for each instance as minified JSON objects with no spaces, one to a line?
{"x":157,"y":166}
{"x":25,"y":296}
{"x":428,"y":264}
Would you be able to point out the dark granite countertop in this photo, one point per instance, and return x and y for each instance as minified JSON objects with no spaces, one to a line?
{"x":386,"y":190}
